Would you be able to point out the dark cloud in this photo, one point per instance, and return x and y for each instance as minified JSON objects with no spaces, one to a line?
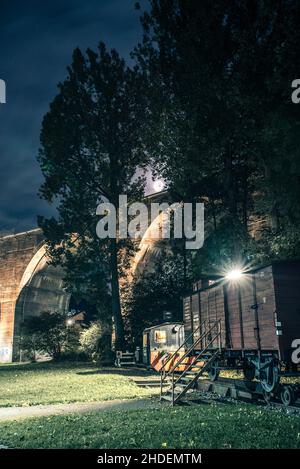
{"x":36,"y":43}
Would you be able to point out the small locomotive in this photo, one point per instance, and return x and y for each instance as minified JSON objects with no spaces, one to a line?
{"x":159,"y":342}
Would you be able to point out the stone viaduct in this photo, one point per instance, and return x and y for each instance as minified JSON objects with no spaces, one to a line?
{"x":29,"y":285}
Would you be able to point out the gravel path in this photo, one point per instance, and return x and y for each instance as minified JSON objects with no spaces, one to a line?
{"x":13,"y":413}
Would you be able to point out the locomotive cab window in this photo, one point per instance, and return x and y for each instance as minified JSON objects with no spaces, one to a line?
{"x":160,"y":337}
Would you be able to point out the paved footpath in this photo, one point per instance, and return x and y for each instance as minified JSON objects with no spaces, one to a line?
{"x":13,"y":413}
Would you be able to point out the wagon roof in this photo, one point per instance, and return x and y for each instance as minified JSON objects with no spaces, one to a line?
{"x":164,"y":324}
{"x":253,"y":269}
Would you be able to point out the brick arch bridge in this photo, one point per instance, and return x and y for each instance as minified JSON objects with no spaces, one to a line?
{"x":29,"y":285}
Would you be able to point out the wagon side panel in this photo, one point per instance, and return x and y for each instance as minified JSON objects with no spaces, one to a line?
{"x":212,"y":310}
{"x":287,"y":293}
{"x":204,"y":311}
{"x":196,"y":316}
{"x":220,"y":308}
{"x":187,"y":316}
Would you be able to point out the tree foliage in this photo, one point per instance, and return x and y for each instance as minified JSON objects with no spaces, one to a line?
{"x":147,"y":298}
{"x":48,"y":334}
{"x":90,"y":150}
{"x":223,"y":128}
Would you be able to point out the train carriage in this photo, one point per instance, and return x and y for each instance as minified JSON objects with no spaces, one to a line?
{"x":258,"y":317}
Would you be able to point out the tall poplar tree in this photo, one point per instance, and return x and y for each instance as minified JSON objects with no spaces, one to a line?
{"x":90,"y":150}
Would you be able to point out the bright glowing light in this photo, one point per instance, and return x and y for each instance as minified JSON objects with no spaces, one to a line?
{"x":69,"y":322}
{"x":158,"y":185}
{"x":234,"y":274}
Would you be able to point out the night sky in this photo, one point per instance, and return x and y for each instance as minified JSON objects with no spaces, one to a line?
{"x":36,"y":43}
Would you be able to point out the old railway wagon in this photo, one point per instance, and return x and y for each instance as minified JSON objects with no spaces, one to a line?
{"x":257,"y":314}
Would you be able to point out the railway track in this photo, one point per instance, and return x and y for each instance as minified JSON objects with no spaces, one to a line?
{"x":226,"y":390}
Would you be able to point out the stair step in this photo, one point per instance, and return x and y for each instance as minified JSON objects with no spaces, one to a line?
{"x":185,"y":380}
{"x":190,"y":373}
{"x":189,"y":377}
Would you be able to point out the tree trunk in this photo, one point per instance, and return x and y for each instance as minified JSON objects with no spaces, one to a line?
{"x":104,"y":349}
{"x":115,"y":287}
{"x":115,"y":295}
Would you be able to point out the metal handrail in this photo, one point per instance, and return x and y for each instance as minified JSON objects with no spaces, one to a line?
{"x":202,"y":336}
{"x":207,"y":363}
{"x":211,"y":341}
{"x":182,"y":345}
{"x":200,"y":354}
{"x":206,"y":333}
{"x":164,"y":375}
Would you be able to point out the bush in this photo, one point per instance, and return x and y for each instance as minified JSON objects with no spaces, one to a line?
{"x":90,"y":339}
{"x":48,"y":334}
{"x":96,"y":343}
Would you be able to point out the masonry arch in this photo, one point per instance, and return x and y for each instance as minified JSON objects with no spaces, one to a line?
{"x":40,"y":289}
{"x":29,"y":285}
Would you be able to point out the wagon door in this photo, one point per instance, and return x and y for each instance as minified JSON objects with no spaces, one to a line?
{"x":248,"y":313}
{"x":265,"y":303}
{"x":234,"y":319}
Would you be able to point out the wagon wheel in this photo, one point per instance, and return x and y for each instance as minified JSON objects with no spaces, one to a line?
{"x":249,"y":372}
{"x":267,"y":397}
{"x":287,"y":395}
{"x":213,"y":372}
{"x":269,"y":377}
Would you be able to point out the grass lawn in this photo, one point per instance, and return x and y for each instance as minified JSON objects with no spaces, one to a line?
{"x":53,"y":383}
{"x":204,"y":426}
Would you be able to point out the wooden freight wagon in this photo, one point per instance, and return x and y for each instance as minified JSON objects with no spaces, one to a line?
{"x":258,"y":318}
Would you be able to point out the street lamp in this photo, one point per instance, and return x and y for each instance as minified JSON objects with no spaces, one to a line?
{"x":234,"y":274}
